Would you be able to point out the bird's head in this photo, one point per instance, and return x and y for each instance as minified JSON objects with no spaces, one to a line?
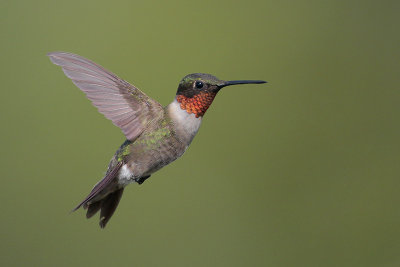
{"x":197,"y":91}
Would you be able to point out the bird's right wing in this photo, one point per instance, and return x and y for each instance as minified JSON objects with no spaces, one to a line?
{"x":124,"y":104}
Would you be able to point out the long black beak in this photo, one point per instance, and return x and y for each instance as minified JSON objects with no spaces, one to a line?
{"x":228,"y":83}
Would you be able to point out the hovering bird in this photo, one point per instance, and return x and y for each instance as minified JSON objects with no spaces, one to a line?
{"x":155,"y":135}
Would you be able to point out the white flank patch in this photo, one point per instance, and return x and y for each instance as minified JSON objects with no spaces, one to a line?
{"x":125,"y":175}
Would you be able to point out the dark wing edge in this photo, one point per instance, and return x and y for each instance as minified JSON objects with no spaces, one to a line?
{"x":124,"y":104}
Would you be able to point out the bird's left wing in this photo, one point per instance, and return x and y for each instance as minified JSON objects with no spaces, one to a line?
{"x":124,"y":104}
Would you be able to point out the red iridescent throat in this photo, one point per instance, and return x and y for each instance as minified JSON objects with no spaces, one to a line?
{"x":198,"y":104}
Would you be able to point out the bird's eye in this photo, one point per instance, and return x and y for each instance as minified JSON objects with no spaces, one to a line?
{"x":199,"y":84}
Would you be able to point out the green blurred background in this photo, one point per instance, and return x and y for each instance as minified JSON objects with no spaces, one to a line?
{"x":302,"y":171}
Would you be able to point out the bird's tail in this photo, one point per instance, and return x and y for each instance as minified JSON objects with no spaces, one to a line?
{"x":100,"y":198}
{"x":107,"y":207}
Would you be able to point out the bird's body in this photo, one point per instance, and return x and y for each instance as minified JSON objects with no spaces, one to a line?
{"x":156,"y":135}
{"x":161,"y":142}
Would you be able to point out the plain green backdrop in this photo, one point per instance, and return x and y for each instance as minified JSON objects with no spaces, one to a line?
{"x":302,"y":171}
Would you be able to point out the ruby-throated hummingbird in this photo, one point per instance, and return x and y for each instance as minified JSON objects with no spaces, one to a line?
{"x":155,"y":135}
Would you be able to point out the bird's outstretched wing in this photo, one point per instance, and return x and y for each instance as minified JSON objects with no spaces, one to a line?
{"x":124,"y":104}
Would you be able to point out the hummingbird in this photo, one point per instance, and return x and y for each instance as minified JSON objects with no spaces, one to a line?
{"x":155,"y":135}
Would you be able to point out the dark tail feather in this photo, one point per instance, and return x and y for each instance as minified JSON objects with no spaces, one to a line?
{"x":100,"y":186}
{"x":93,"y":209}
{"x":109,"y":205}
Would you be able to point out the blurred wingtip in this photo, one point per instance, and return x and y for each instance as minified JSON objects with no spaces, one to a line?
{"x":51,"y":54}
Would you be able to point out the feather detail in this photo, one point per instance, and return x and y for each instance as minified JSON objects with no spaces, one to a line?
{"x":109,"y":205}
{"x":198,"y":104}
{"x":124,"y":104}
{"x":100,"y":186}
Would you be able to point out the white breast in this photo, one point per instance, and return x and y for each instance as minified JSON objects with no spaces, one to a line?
{"x":187,"y":124}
